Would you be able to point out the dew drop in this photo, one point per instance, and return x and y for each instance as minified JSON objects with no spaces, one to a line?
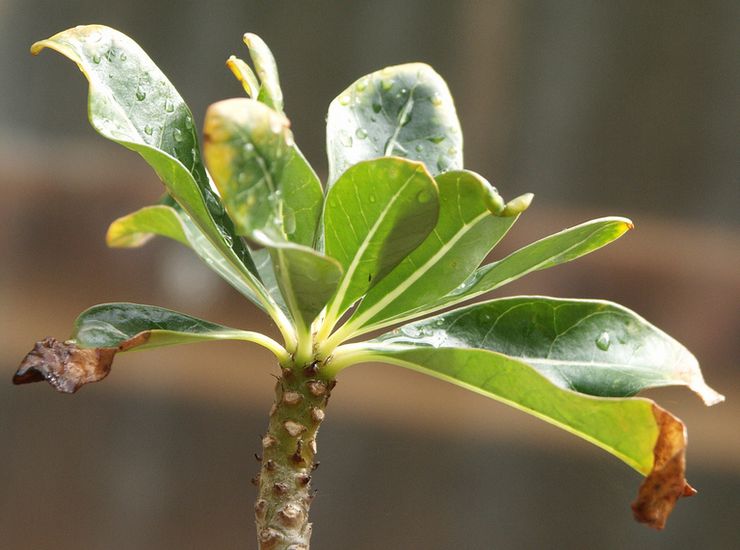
{"x":140,"y":94}
{"x":96,"y":58}
{"x":419,"y":147}
{"x":386,"y":85}
{"x":362,"y":85}
{"x":372,"y":198}
{"x":452,"y":151}
{"x":344,"y":100}
{"x":148,"y":130}
{"x":249,"y":148}
{"x":424,"y":196}
{"x":188,"y":123}
{"x":442,"y":164}
{"x":436,"y":100}
{"x":603,"y":341}
{"x":436,"y":139}
{"x":169,"y":106}
{"x":361,"y":133}
{"x":377,"y":107}
{"x":178,"y":134}
{"x":123,"y":56}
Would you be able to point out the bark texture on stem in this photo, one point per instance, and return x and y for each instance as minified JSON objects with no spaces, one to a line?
{"x":288,"y":453}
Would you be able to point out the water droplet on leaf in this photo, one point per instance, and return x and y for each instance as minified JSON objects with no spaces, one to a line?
{"x":377,"y":107}
{"x":140,"y":94}
{"x":362,"y":85}
{"x":148,"y":130}
{"x":123,"y":56}
{"x":361,"y":133}
{"x":436,"y":100}
{"x":178,"y":134}
{"x":419,"y":147}
{"x":344,"y":100}
{"x":249,"y":148}
{"x":386,"y":85}
{"x":169,"y":106}
{"x":436,"y":139}
{"x":96,"y":58}
{"x":603,"y":341}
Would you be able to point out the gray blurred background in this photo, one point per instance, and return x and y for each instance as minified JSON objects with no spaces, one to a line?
{"x":599,"y":108}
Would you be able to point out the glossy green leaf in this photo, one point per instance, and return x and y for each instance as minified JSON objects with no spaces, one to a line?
{"x":269,"y":92}
{"x":377,"y":212}
{"x":623,"y":427}
{"x":562,"y":247}
{"x":111,"y":325}
{"x":405,"y":111}
{"x":589,"y":346}
{"x":132,"y":103}
{"x":465,"y":232}
{"x":264,"y":181}
{"x":307,"y":279}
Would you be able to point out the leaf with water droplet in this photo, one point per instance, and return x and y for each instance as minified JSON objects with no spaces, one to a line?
{"x":406,"y":97}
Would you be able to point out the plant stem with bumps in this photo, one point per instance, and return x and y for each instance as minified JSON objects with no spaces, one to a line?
{"x":287,"y":461}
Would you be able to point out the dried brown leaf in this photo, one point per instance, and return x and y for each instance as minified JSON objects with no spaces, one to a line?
{"x":68,"y":367}
{"x":666,"y":482}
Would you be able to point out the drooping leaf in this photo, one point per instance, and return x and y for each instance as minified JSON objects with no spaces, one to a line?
{"x":589,"y":346}
{"x":376,"y":213}
{"x":405,"y":111}
{"x":559,"y":248}
{"x":170,"y":221}
{"x":106,"y":329}
{"x":132,"y":103}
{"x":263,"y":179}
{"x":465,"y":232}
{"x":635,"y":430}
{"x":270,"y":92}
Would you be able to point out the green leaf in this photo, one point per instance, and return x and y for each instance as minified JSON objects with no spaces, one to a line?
{"x":269,"y":92}
{"x":132,"y":103}
{"x":307,"y":279}
{"x":107,"y":329}
{"x":115,"y":324}
{"x":377,"y":212}
{"x":624,"y":427}
{"x":170,"y":221}
{"x":465,"y":232}
{"x":264,"y":180}
{"x":589,"y":346}
{"x":562,"y":247}
{"x":405,"y":111}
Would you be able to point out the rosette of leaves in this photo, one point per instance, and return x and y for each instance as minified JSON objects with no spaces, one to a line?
{"x":399,"y":232}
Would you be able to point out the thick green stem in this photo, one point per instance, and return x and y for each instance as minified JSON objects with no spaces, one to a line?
{"x":288,"y":452}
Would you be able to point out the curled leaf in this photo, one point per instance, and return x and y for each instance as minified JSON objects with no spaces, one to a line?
{"x":666,"y":483}
{"x":64,"y":365}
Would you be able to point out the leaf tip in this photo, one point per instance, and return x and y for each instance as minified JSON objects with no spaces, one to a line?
{"x":517,"y":205}
{"x":64,"y":365}
{"x":665,"y":483}
{"x":36,"y":47}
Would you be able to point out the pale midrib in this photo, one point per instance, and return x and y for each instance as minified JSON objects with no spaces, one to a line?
{"x":401,"y":116}
{"x":347,"y":279}
{"x":400,"y":289}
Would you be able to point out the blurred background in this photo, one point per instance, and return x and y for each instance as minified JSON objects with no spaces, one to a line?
{"x":599,"y":108}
